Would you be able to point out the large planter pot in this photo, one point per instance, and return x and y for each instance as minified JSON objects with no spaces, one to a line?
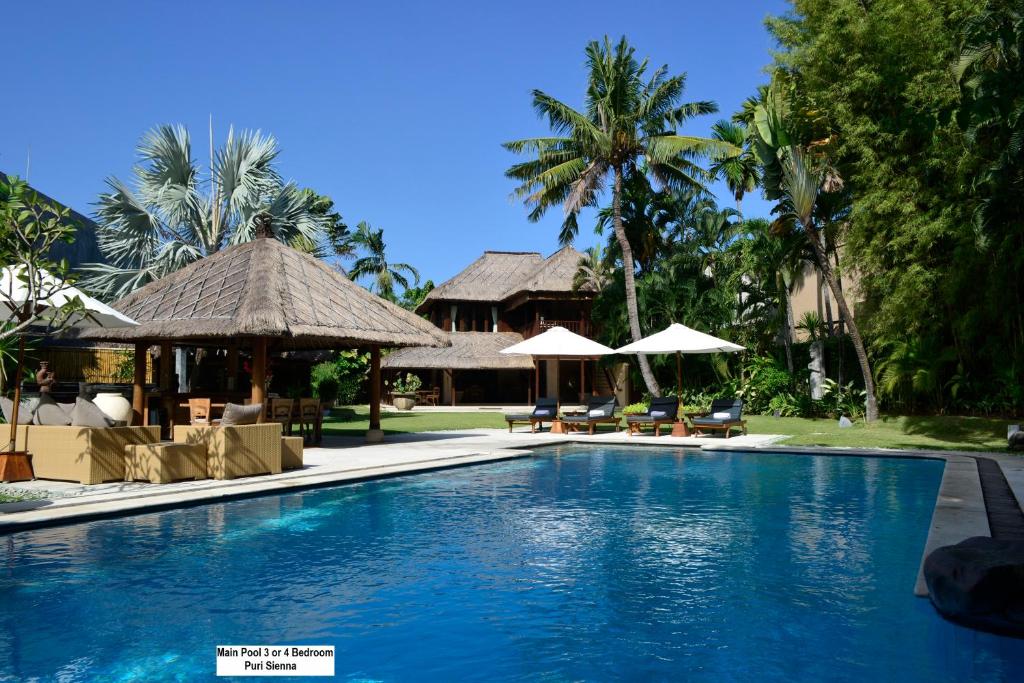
{"x":404,"y":401}
{"x":115,"y":406}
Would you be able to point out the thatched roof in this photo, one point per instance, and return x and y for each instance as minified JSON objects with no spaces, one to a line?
{"x":265,"y":288}
{"x":469,"y":351}
{"x":499,"y":275}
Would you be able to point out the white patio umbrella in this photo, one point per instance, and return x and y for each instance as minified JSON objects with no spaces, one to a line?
{"x":680,"y":339}
{"x":52,"y":294}
{"x":558,"y":343}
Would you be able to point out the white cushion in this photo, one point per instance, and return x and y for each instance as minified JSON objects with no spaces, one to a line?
{"x":659,"y":413}
{"x":721,"y":416}
{"x":596,"y":412}
{"x":541,"y":412}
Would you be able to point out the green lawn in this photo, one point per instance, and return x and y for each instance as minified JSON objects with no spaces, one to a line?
{"x":940,"y":433}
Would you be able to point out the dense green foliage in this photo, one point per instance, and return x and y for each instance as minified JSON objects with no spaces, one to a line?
{"x":923,"y":141}
{"x":343,"y":379}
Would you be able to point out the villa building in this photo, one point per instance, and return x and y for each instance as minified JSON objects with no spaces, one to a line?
{"x":501,"y":299}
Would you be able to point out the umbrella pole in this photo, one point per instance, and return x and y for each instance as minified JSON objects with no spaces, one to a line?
{"x":679,"y":375}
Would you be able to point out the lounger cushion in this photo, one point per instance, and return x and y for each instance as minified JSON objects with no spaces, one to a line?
{"x":235,"y":414}
{"x":709,"y":421}
{"x":639,"y":418}
{"x":517,"y":418}
{"x":725,"y":415}
{"x":25,"y":411}
{"x":50,"y":413}
{"x":85,"y":413}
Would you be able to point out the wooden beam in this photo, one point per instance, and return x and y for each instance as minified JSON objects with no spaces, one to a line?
{"x":259,"y":371}
{"x":374,"y":388}
{"x":139,"y":384}
{"x":232,"y":366}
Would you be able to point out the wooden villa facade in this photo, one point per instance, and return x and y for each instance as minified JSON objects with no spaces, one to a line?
{"x":499,"y":300}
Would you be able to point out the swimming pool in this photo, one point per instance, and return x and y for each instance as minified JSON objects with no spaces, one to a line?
{"x":598,"y":563}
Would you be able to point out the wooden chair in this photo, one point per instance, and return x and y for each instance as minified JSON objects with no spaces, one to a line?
{"x":725,"y":414}
{"x":199,"y":411}
{"x":281,"y":411}
{"x":600,"y":410}
{"x":309,"y":419}
{"x":662,"y":411}
{"x":546,"y":410}
{"x":434,"y":397}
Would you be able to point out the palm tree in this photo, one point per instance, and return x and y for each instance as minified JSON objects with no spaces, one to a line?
{"x":592,"y":271}
{"x":167,"y":221}
{"x":626,"y":127}
{"x":373,"y":263}
{"x":740,"y":172}
{"x":801,"y":185}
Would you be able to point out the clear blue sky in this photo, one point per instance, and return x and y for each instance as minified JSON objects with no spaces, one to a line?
{"x":395,"y":110}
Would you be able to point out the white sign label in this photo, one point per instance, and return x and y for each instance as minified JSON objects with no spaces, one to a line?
{"x":275,"y":660}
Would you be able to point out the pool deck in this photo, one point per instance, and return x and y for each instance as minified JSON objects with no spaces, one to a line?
{"x":959,"y":510}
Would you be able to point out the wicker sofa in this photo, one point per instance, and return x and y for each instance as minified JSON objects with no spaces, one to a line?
{"x":236,"y":450}
{"x":89,"y":455}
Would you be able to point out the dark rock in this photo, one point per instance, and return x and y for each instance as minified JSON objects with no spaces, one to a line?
{"x":1016,"y":441}
{"x":979,"y":583}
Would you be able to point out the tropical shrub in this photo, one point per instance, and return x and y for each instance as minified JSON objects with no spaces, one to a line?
{"x":764,"y":380}
{"x":636,"y":408}
{"x":407,"y":385}
{"x":838,"y":400}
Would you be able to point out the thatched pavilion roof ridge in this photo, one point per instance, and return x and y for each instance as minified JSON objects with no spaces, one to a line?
{"x":265,"y":288}
{"x":489,"y":277}
{"x":469,"y":351}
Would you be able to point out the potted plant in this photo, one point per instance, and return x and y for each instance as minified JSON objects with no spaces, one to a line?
{"x":403,"y":391}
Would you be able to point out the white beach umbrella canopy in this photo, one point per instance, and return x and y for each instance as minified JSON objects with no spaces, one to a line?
{"x":54,"y":294}
{"x":678,"y":338}
{"x":559,"y":342}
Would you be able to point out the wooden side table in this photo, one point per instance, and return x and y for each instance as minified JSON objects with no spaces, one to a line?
{"x":558,"y":427}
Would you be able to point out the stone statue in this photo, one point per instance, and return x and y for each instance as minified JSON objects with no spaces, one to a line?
{"x":45,"y":378}
{"x":817,"y":368}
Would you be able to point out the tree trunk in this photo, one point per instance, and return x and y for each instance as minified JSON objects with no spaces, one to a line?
{"x":628,"y":268}
{"x":871,"y":409}
{"x":787,"y":333}
{"x":842,"y":327}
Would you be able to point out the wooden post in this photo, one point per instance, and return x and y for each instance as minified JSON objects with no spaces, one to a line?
{"x":166,"y":394}
{"x":139,"y":384}
{"x":374,"y":434}
{"x":536,"y":380}
{"x":259,"y":371}
{"x":231,"y":366}
{"x":451,"y":373}
{"x":582,"y":382}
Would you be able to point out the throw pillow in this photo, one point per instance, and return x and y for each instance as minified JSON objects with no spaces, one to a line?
{"x":25,"y":410}
{"x":659,"y":413}
{"x":721,"y":416}
{"x":87,"y":414}
{"x":235,"y":414}
{"x":542,"y":412}
{"x":596,"y":412}
{"x":49,"y":412}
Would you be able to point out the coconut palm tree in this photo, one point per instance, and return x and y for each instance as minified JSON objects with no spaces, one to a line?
{"x":802,"y":182}
{"x":627,"y":126}
{"x":740,"y":172}
{"x":592,"y":271}
{"x":373,"y":263}
{"x":171,"y":216}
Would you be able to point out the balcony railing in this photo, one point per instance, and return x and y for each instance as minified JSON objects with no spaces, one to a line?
{"x":577,"y":326}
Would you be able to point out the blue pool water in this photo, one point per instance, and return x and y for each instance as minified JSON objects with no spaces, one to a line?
{"x":578,"y":564}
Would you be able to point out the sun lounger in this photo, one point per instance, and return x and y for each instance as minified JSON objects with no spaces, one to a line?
{"x":546,"y":410}
{"x":600,"y":410}
{"x":724,"y":415}
{"x":662,"y":411}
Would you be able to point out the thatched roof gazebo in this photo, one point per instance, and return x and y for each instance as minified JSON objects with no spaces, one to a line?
{"x":264,"y":292}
